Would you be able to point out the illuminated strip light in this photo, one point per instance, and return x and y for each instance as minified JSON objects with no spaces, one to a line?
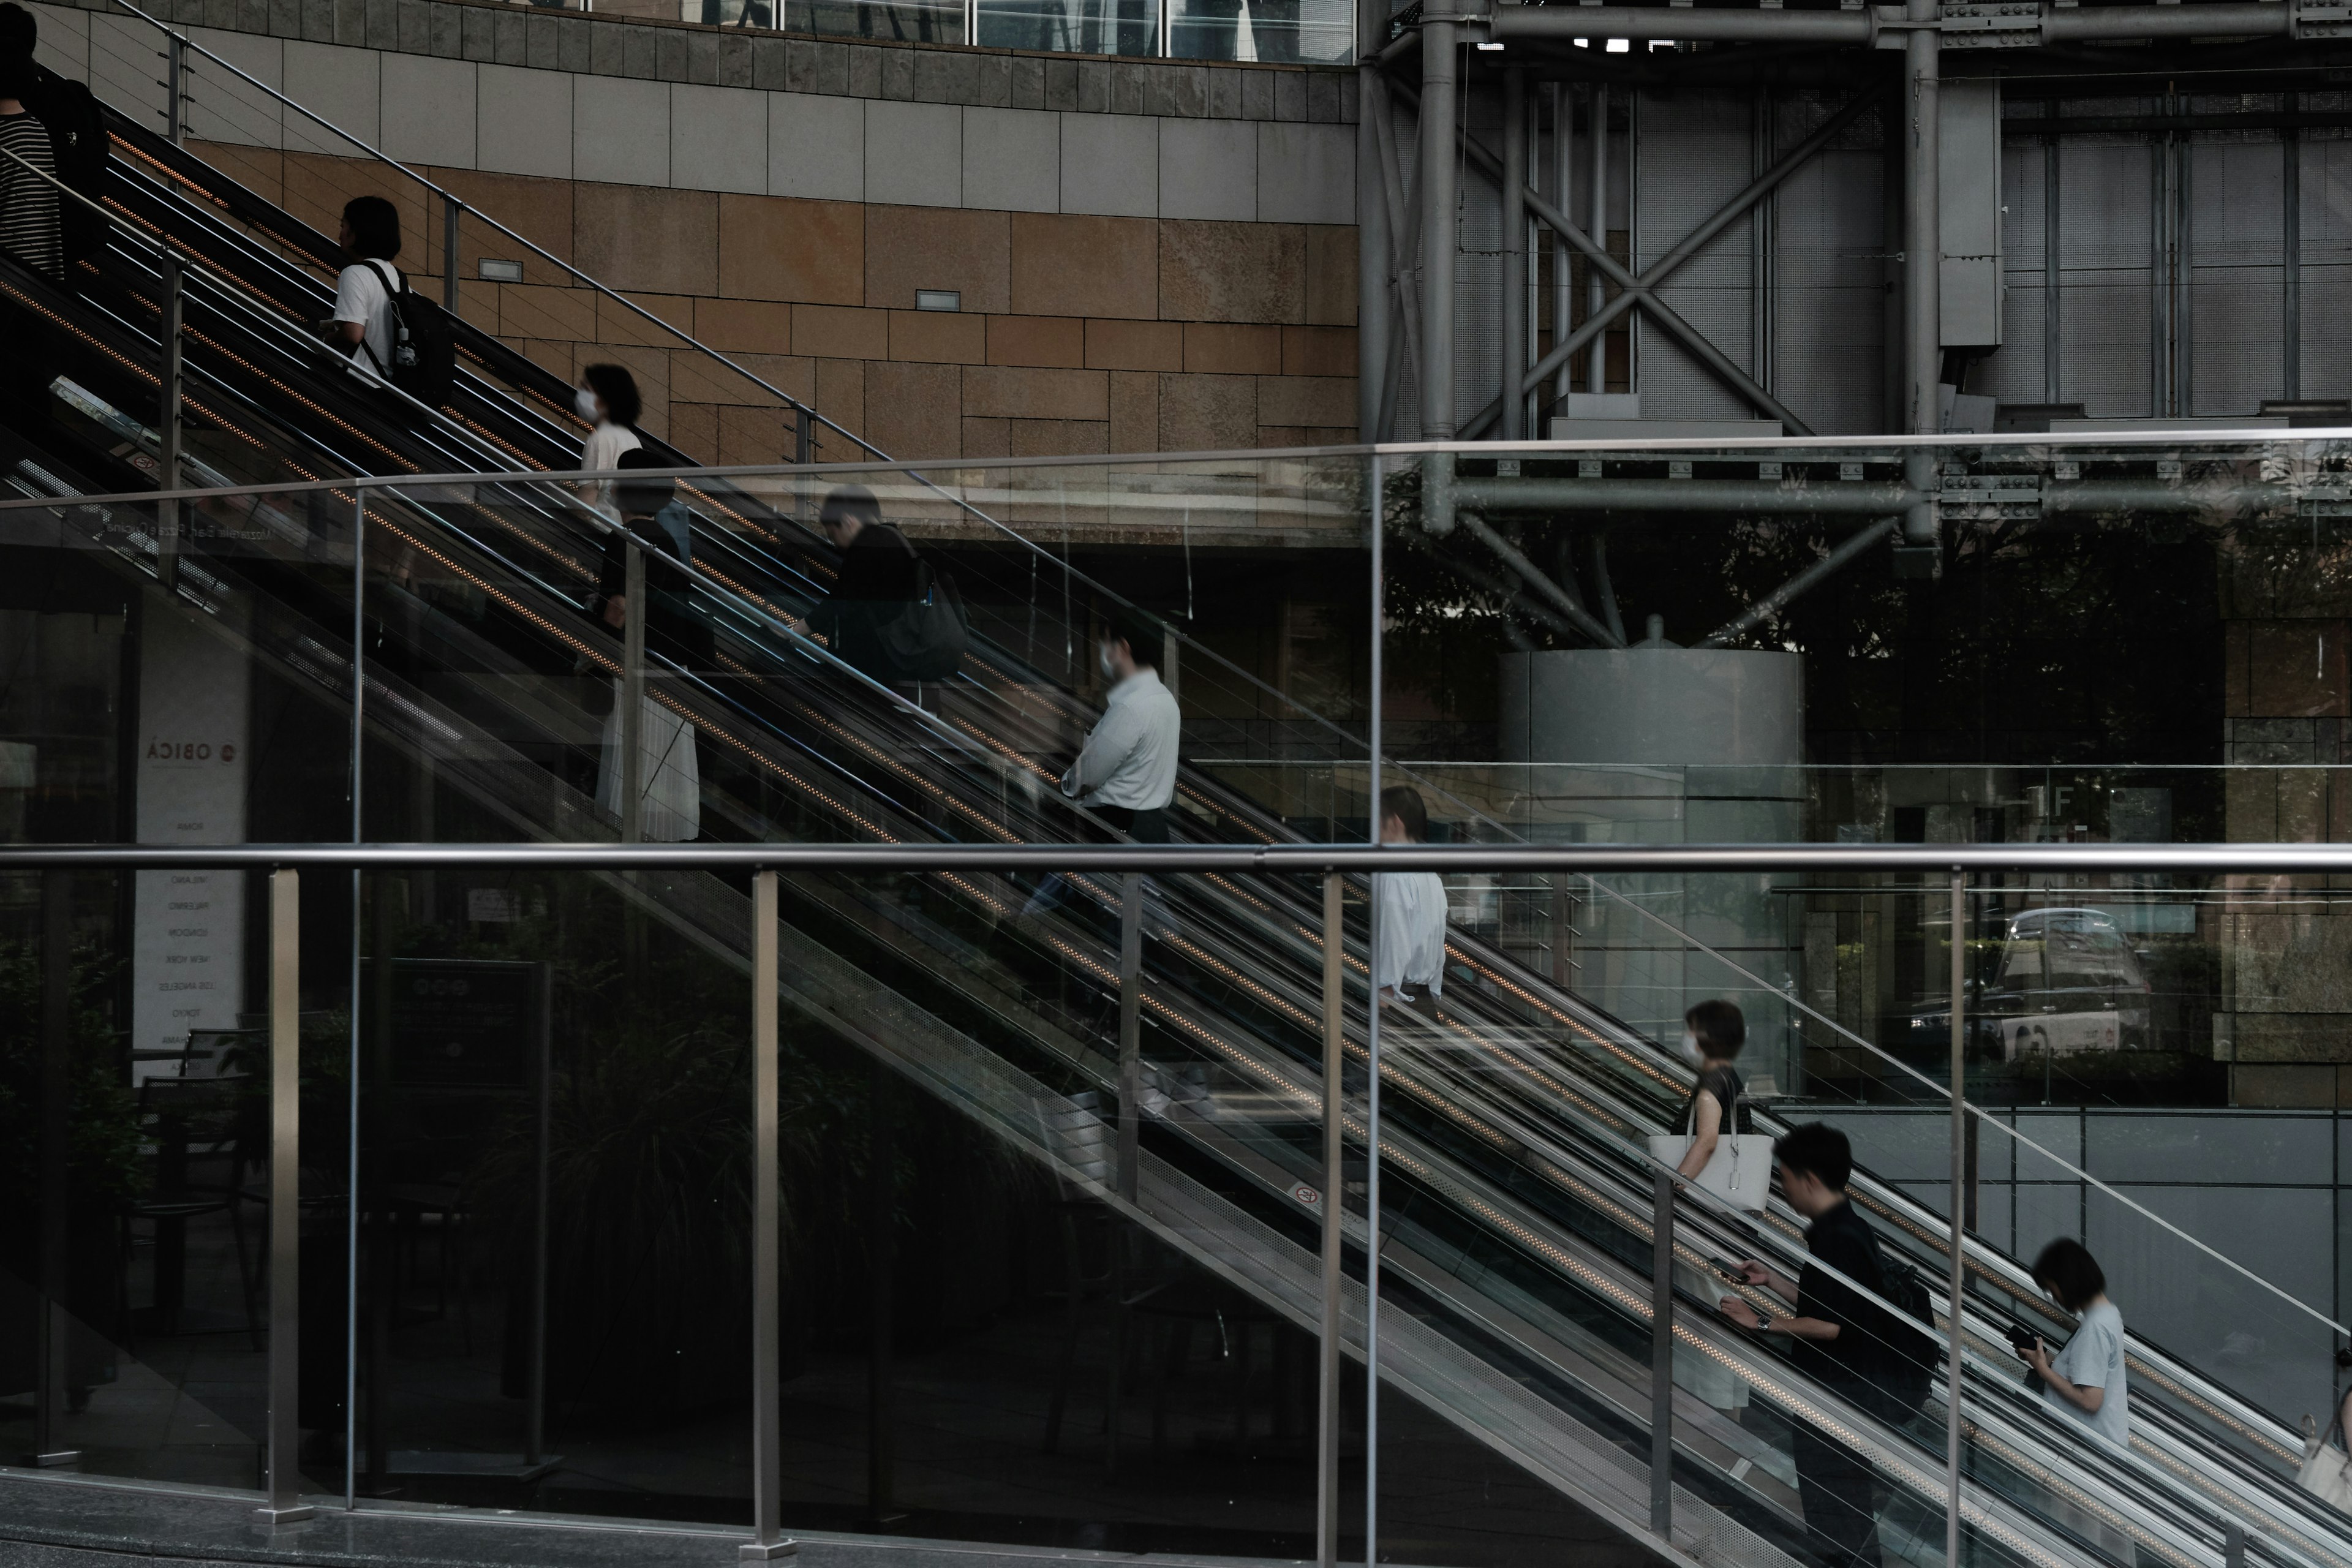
{"x":1631,"y":1059}
{"x":1003,"y":748}
{"x":322,"y":413}
{"x":954,"y":803}
{"x":151,"y":377}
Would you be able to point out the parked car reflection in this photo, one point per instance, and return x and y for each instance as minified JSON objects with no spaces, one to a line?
{"x":2061,"y":981}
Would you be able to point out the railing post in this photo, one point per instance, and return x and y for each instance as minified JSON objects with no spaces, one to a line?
{"x":1327,"y":1414}
{"x":175,"y":67}
{"x":283,"y":1481}
{"x":767,"y":1390}
{"x":452,"y":213}
{"x":168,"y":428}
{"x":633,"y":692}
{"x":1662,"y":1351}
{"x":1958,"y":1202}
{"x":1130,"y":1031}
{"x":57,"y":1059}
{"x":2233,"y":1544}
{"x":534,"y":1441}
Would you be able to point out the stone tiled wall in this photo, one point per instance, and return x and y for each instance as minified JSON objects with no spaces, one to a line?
{"x":1149,"y":256}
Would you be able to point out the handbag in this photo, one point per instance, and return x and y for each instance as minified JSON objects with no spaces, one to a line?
{"x":1739,"y":1172}
{"x":2326,"y":1472}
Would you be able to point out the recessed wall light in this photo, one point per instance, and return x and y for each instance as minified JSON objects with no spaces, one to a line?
{"x":938,"y":298}
{"x":495,"y":271}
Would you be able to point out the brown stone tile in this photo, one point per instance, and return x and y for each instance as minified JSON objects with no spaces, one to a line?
{"x":744,"y":326}
{"x":841,"y":397}
{"x":1218,"y":348}
{"x":258,"y":169}
{"x":316,"y":189}
{"x":541,"y":211}
{"x":636,"y":237}
{"x":753,"y":436}
{"x":838,"y":332}
{"x":1207,"y":413}
{"x":791,"y":374}
{"x":909,"y":248}
{"x":1068,"y":264}
{"x":694,"y":430}
{"x":987,"y":438}
{"x":698,"y":377}
{"x":1058,"y":438}
{"x":915,"y":410}
{"x":616,"y":323}
{"x":555,"y":357}
{"x":1306,"y":400}
{"x":938,"y":337}
{"x":2282,"y":1088}
{"x":1052,"y":342}
{"x":1318,"y":350}
{"x":1331,"y":275}
{"x":1134,"y":411}
{"x":1135,"y":345}
{"x":1015,"y":393}
{"x":778,"y":247}
{"x":2296,"y":669}
{"x":1231,"y":271}
{"x":534,"y":310}
{"x":2236,"y":697}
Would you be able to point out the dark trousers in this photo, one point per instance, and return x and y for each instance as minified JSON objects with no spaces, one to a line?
{"x":1833,"y":1482}
{"x":1143,"y":827}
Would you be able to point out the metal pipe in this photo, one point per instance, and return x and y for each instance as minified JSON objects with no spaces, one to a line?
{"x":2062,"y":25}
{"x":1372,"y":1055}
{"x":1922,"y":224}
{"x":383,"y":957}
{"x":633,"y":689}
{"x":55,"y":1328}
{"x":1959,"y":1252}
{"x":282,"y":1480}
{"x":171,"y":394}
{"x":452,"y":215}
{"x":1871,"y":498}
{"x":1514,"y":253}
{"x":1131,"y":1034}
{"x":1372,"y":237}
{"x":1570,"y":22}
{"x":1440,"y":104}
{"x":1765,"y":609}
{"x":1577,"y":613}
{"x":1596,"y":197}
{"x":1563,"y":297}
{"x":767,"y":1386}
{"x":1335,"y":1192}
{"x":1662,"y":1354}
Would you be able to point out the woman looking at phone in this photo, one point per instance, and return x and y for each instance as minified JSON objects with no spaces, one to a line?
{"x":2086,"y":1379}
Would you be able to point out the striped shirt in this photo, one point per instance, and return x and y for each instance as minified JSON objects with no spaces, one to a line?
{"x":29,"y":203}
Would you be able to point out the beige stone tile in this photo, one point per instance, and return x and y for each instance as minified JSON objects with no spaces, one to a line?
{"x":1207,"y":413}
{"x":2236,"y":695}
{"x":909,"y":248}
{"x":698,"y":377}
{"x":792,"y":374}
{"x":694,"y":430}
{"x":1325,"y":400}
{"x":1055,"y":437}
{"x":534,"y":310}
{"x":838,"y":332}
{"x":915,"y":410}
{"x":1134,"y":411}
{"x":938,"y":337}
{"x":260,"y":170}
{"x":634,"y":237}
{"x":616,"y":323}
{"x":1135,"y":345}
{"x":1067,"y":265}
{"x":1016,"y":393}
{"x":753,"y":436}
{"x":1218,"y":348}
{"x":840,"y":398}
{"x":1318,"y":350}
{"x":745,"y":326}
{"x":2283,"y":1088}
{"x":555,"y":357}
{"x":539,"y":210}
{"x":1331,"y":275}
{"x":1055,"y":342}
{"x":780,"y":248}
{"x":987,"y":438}
{"x":1306,"y":436}
{"x":1231,"y":271}
{"x":316,"y":189}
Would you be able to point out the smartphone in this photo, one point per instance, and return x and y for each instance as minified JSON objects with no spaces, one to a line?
{"x":2021,"y":1337}
{"x":1728,"y":1269}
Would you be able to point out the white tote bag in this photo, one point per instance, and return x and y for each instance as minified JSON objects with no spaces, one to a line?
{"x":1739,"y":1172}
{"x":2326,"y":1471}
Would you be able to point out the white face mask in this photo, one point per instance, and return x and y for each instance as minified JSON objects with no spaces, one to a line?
{"x":1690,"y":1048}
{"x":585,"y":401}
{"x":1103,"y":663}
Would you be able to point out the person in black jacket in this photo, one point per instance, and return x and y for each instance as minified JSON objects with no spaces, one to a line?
{"x":879,"y":577}
{"x":1835,"y":1333}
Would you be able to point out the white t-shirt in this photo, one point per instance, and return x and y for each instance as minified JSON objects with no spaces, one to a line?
{"x":603,"y":449}
{"x":361,"y":297}
{"x":1130,"y":758}
{"x":2094,"y":1358}
{"x":1411,"y":954}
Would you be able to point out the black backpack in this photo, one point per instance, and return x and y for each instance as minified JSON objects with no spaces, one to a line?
{"x":424,"y":348}
{"x":80,"y":148}
{"x":926,"y":639}
{"x":1904,"y":1355}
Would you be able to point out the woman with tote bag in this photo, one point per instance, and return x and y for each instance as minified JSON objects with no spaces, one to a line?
{"x":1716,"y":1151}
{"x":2326,"y":1466}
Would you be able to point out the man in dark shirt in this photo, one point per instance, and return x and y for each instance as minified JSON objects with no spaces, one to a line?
{"x":1833,"y":1329}
{"x":879,"y":579}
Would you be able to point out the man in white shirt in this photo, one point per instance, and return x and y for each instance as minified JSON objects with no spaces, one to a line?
{"x":1409,"y":953}
{"x":1127,"y":773}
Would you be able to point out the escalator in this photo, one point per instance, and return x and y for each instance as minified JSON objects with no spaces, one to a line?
{"x":1516,"y":1215}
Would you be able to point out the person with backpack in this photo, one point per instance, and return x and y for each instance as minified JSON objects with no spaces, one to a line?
{"x":1839,"y":1336}
{"x":2086,"y":1379}
{"x":880,"y":576}
{"x":392,"y":335}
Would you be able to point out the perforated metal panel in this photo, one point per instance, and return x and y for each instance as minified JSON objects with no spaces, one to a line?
{"x":2237,"y":233}
{"x":2103,"y":240}
{"x":2016,"y":375}
{"x":2326,"y":223}
{"x":1830,"y":343}
{"x":1696,"y":153}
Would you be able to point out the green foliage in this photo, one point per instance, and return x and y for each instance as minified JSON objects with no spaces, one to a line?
{"x":103,"y":1129}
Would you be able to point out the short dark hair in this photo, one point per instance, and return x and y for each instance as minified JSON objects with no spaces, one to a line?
{"x":16,"y":77}
{"x":1719,"y":1027}
{"x":1816,"y":1149}
{"x":19,"y":30}
{"x":642,"y":498}
{"x":1404,"y":803}
{"x":2067,"y":1270}
{"x":849,"y":501}
{"x":618,"y":388}
{"x":1142,"y":634}
{"x":375,"y":227}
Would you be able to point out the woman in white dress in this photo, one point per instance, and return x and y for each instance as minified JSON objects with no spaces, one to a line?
{"x":1409,"y":952}
{"x":608,"y":398}
{"x":669,"y":775}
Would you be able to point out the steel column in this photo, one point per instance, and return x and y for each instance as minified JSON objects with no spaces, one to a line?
{"x":1372,"y":1050}
{"x":55,"y":1328}
{"x":384,"y":959}
{"x":1374,"y":240}
{"x":1131,"y":1033}
{"x":171,"y":394}
{"x":1440,"y":107}
{"x":1514,"y":253}
{"x":175,"y":71}
{"x":768,"y":1539}
{"x":1563,"y":300}
{"x":452,"y":214}
{"x":282,"y":1481}
{"x":1662,"y":1351}
{"x":633,"y":690}
{"x":2290,"y":257}
{"x":1923,"y":246}
{"x":1335,"y":1195}
{"x":1958,"y":1255}
{"x":1596,"y":198}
